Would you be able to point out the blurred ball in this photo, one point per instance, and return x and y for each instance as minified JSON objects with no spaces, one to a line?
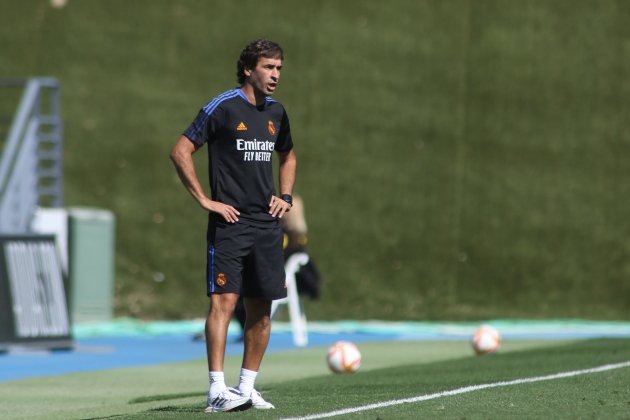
{"x":486,"y":339}
{"x":344,"y":357}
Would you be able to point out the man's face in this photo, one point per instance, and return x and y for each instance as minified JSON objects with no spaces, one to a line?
{"x":264,"y":78}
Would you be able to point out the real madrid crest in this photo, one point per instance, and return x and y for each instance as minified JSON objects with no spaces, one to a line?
{"x":221,"y":279}
{"x":271,"y":128}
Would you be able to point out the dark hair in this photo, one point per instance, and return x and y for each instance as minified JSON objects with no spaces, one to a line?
{"x":253,"y":52}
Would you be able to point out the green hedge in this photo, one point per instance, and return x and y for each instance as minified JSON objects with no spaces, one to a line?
{"x":458,"y":159}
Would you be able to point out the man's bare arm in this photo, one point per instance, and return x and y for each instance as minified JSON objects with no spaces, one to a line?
{"x":181,"y":156}
{"x":288,"y":167}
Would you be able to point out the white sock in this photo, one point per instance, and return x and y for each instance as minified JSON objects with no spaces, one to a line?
{"x":246,"y":381}
{"x":217,"y":382}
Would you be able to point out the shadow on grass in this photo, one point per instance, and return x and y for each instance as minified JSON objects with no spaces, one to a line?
{"x":165,"y":397}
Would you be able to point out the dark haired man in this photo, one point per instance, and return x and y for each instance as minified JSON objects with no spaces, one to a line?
{"x":242,"y":127}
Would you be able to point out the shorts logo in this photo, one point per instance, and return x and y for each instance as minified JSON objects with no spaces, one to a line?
{"x":221,"y":279}
{"x":271,"y":128}
{"x":241,"y":127}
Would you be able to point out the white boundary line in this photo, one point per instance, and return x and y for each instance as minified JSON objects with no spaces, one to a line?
{"x":462,"y":391}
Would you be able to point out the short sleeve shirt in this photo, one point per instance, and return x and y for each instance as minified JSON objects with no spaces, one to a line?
{"x":241,"y":138}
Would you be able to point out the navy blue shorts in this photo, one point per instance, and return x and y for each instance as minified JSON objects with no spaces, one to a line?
{"x":246,"y":260}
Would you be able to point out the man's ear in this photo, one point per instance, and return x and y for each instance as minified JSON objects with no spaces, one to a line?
{"x":247,"y":72}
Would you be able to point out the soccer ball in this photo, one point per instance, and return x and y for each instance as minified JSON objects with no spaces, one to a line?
{"x":486,"y":340}
{"x":344,"y":357}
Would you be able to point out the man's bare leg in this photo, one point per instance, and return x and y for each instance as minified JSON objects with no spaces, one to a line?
{"x":219,"y":315}
{"x":257,"y":331}
{"x":220,"y":398}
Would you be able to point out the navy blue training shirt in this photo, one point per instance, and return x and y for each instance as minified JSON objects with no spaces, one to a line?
{"x":241,"y":139}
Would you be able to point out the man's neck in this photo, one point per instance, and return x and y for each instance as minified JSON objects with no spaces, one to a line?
{"x":253,"y":96}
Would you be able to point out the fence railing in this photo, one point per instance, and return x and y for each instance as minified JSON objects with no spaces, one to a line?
{"x":31,"y":171}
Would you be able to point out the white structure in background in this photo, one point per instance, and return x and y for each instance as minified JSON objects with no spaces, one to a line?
{"x":54,"y":221}
{"x":31,"y":172}
{"x":296,"y":312}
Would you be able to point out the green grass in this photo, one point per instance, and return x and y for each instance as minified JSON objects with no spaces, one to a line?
{"x":390,"y":371}
{"x":464,"y":158}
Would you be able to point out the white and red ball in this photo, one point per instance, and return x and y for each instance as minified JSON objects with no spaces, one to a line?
{"x":344,"y":357}
{"x":486,"y":339}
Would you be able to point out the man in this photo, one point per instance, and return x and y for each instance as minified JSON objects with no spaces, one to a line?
{"x":242,"y":127}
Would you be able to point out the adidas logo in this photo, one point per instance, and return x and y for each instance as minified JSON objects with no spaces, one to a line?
{"x":241,"y":127}
{"x":219,"y":402}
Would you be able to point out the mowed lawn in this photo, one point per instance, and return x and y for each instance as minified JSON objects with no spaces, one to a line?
{"x":298,"y":383}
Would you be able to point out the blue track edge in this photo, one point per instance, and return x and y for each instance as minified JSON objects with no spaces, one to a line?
{"x":128,"y":343}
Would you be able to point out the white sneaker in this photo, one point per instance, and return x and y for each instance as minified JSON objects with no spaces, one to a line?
{"x":258,"y":402}
{"x":228,"y":400}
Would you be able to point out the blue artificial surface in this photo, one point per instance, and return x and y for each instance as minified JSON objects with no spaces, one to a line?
{"x":128,"y":343}
{"x":91,"y":354}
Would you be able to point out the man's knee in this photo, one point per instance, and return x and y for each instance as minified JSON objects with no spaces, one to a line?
{"x":257,"y":307}
{"x":258,"y":312}
{"x":222,"y":304}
